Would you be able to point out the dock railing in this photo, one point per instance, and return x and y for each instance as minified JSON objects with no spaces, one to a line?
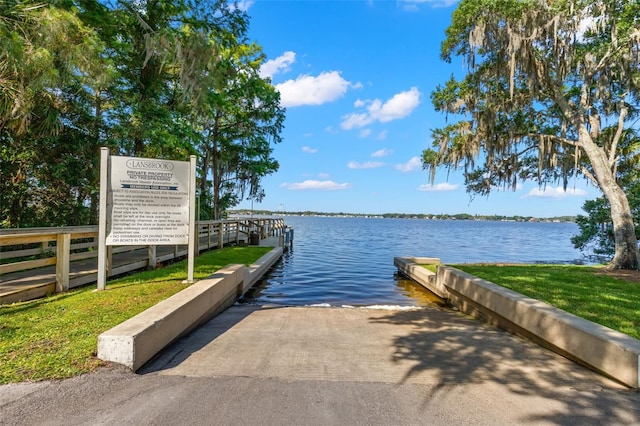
{"x":74,"y":250}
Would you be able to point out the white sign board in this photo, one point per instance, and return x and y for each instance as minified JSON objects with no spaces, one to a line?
{"x":149,"y":202}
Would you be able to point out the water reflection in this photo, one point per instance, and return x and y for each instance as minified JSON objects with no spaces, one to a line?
{"x":349,"y":261}
{"x":421,"y":295}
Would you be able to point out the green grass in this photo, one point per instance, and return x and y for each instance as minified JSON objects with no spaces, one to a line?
{"x":431,"y":267}
{"x":57,"y":337}
{"x":582,"y":291}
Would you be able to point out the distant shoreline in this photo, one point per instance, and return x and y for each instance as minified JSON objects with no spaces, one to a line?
{"x":421,"y":216}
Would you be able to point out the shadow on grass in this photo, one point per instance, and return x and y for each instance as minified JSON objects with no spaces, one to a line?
{"x":36,"y":303}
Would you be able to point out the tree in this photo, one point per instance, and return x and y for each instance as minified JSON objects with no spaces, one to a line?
{"x":551,"y":90}
{"x":188,"y":83}
{"x":241,"y":118}
{"x":158,"y":78}
{"x":49,"y":64}
{"x":596,"y":229}
{"x":167,"y":51}
{"x":43,"y":48}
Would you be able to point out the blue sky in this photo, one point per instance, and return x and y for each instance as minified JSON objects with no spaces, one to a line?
{"x":356,"y":79}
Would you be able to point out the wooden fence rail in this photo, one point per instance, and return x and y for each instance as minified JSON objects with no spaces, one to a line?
{"x":28,"y":255}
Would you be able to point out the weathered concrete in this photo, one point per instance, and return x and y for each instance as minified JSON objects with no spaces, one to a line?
{"x":611,"y":352}
{"x":256,"y":270}
{"x":412,"y":267}
{"x":334,"y":366}
{"x":411,"y":345}
{"x":135,"y":341}
{"x":608,"y":351}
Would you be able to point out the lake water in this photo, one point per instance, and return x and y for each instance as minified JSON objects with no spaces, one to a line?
{"x":349,"y":261}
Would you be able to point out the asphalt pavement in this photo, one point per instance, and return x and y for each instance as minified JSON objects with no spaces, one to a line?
{"x":334,"y":366}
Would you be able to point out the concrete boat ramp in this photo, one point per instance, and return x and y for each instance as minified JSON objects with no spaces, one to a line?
{"x":269,"y":365}
{"x":284,"y":365}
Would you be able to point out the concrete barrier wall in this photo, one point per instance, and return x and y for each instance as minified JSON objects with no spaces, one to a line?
{"x":256,"y":270}
{"x":137,"y":340}
{"x":412,"y":267}
{"x":615,"y":354}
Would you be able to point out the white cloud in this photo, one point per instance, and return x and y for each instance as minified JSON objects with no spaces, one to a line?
{"x":382,"y":153}
{"x":313,"y":90}
{"x":398,"y":106}
{"x":382,"y":135}
{"x":413,"y":5}
{"x":438,"y":187}
{"x":320,"y":185}
{"x":242,"y":5}
{"x":280,"y":64}
{"x":557,"y":192}
{"x":356,"y":120}
{"x":323,"y":175}
{"x":588,"y":22}
{"x":309,"y":150}
{"x":364,"y":133}
{"x":366,"y":165}
{"x":409,"y":166}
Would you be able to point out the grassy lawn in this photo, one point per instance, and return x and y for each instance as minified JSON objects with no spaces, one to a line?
{"x":583,"y":291}
{"x":57,"y":337}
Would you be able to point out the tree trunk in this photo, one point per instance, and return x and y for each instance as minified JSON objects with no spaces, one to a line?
{"x":627,"y":255}
{"x":626,"y":243}
{"x":215,"y":169}
{"x":94,"y":195}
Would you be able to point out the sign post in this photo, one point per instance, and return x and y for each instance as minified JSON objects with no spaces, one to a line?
{"x":102,"y":221}
{"x":146,"y":202}
{"x":193,"y":233}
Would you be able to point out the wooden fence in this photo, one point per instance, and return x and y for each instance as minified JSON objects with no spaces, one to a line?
{"x":28,"y":253}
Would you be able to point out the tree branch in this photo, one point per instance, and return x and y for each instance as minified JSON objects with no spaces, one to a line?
{"x":562,"y":140}
{"x":602,"y":64}
{"x":567,"y":112}
{"x":619,"y":131}
{"x":588,"y":175}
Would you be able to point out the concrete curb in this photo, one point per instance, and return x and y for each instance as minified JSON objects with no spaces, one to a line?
{"x":256,"y":270}
{"x":412,"y":267}
{"x":614,"y":354}
{"x":138,"y":339}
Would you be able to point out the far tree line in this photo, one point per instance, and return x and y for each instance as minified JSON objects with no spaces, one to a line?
{"x":425,"y":216}
{"x":160,"y":79}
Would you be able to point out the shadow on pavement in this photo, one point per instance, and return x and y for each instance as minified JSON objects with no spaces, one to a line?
{"x":450,"y":347}
{"x":187,"y":345}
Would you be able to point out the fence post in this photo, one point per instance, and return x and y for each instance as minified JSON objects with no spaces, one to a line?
{"x":151,"y":254}
{"x":63,"y":249}
{"x":220,"y":235}
{"x":109,"y":261}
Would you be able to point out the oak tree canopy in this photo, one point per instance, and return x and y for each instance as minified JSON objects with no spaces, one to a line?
{"x":552,"y":90}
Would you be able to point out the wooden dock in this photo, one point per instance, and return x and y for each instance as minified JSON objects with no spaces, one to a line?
{"x":40,"y":261}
